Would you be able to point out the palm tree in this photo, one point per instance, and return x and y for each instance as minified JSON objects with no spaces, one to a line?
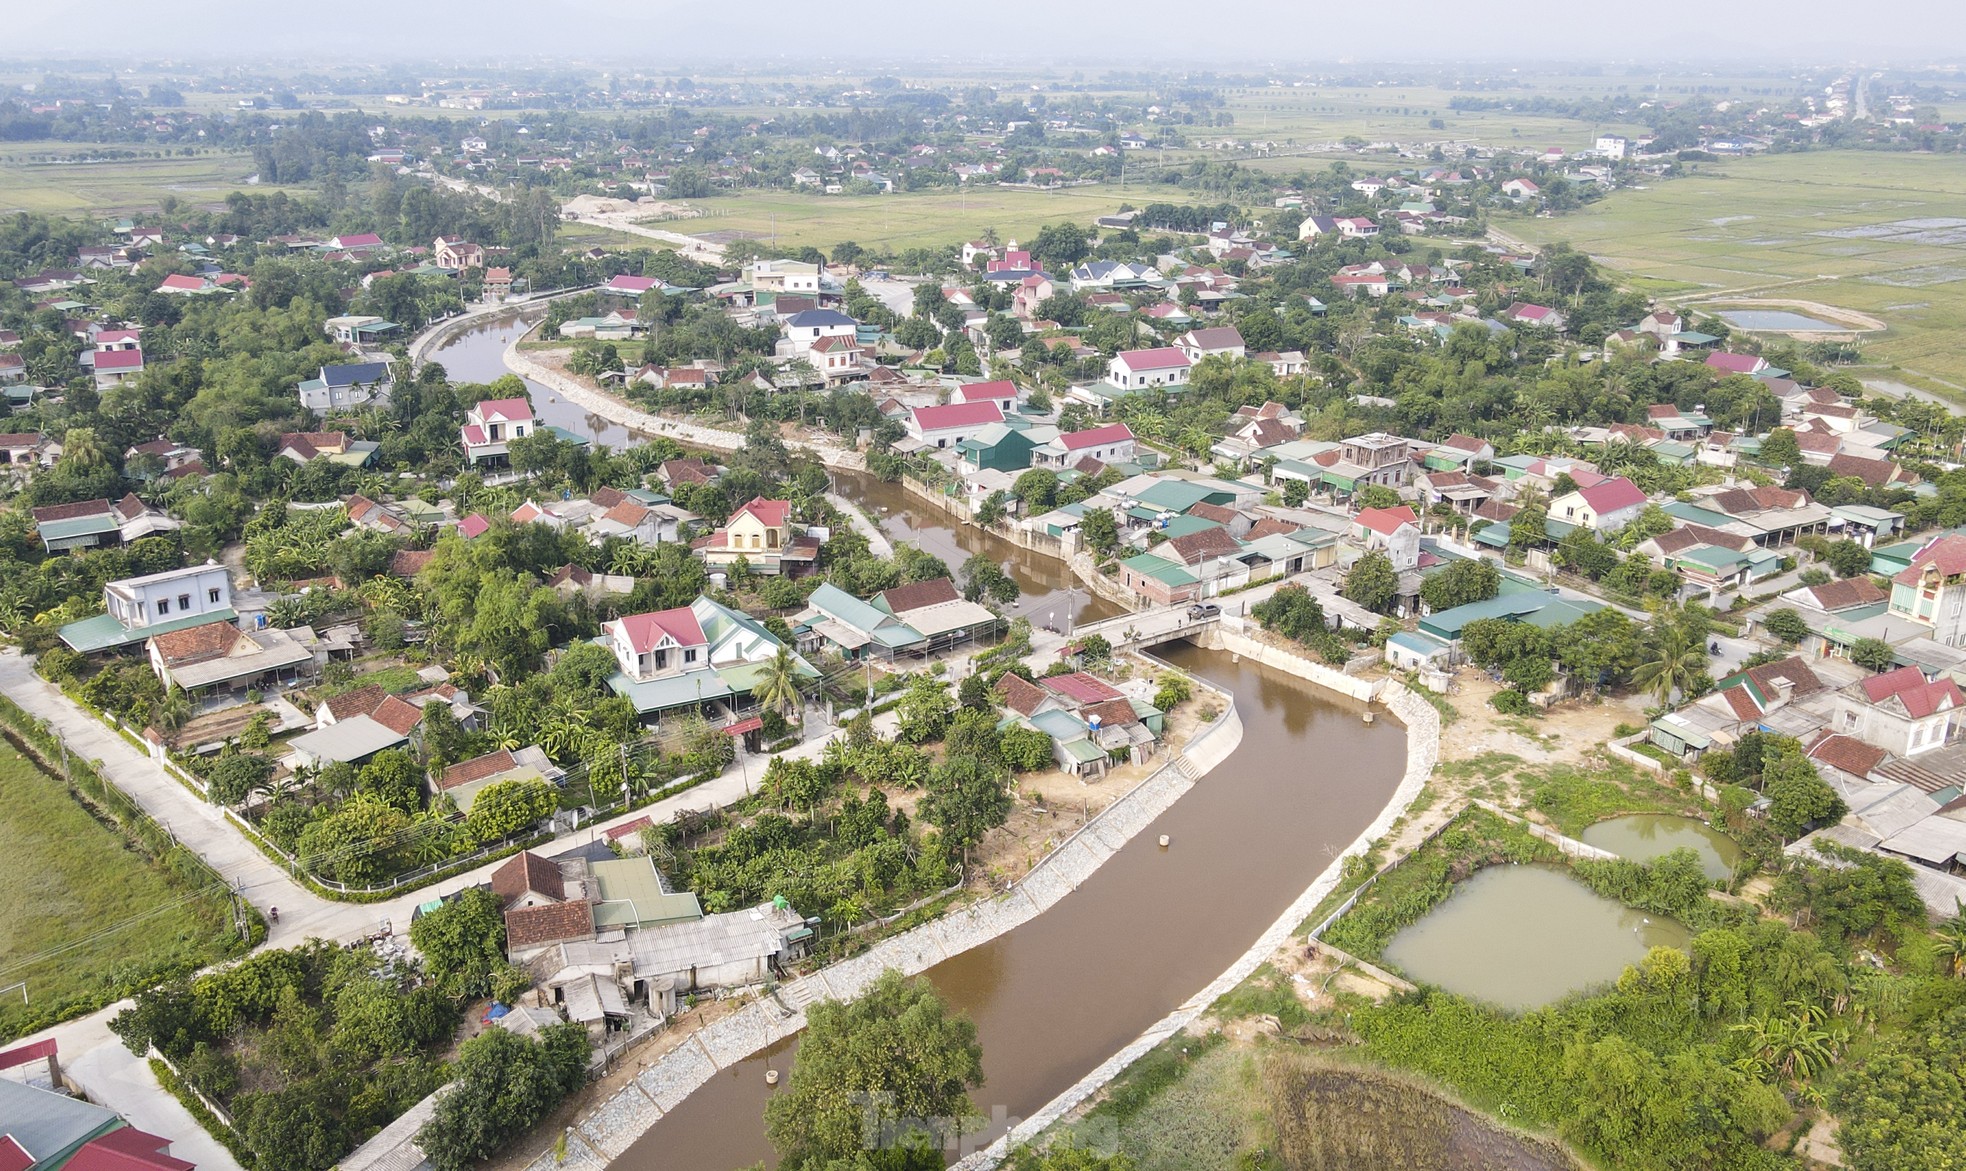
{"x":1952,"y":941}
{"x":174,"y":711}
{"x":1677,"y":655}
{"x":778,"y":687}
{"x":1797,"y":1046}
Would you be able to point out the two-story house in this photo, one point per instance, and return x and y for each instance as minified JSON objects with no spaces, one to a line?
{"x":492,"y":425}
{"x":1393,"y":531}
{"x":348,"y":387}
{"x":1166,"y":367}
{"x":759,"y":532}
{"x":695,"y":656}
{"x":1932,"y":589}
{"x":806,"y":329}
{"x":134,"y":608}
{"x":1900,"y":711}
{"x":1223,"y":340}
{"x":666,"y":642}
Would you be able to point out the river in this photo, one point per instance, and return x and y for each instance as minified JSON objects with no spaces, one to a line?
{"x":1058,"y":995}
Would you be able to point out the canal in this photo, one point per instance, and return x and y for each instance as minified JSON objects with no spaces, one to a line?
{"x":1058,"y":995}
{"x":1061,"y":993}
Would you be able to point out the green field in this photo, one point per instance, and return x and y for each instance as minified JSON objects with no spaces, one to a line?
{"x":80,"y":912}
{"x":1824,"y":227}
{"x":911,"y":219}
{"x":34,"y":178}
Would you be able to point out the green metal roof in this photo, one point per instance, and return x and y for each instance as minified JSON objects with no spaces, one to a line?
{"x":1174,"y":495}
{"x":1160,"y":569}
{"x":1712,"y":558}
{"x":69,"y":528}
{"x":631,"y":895}
{"x":103,"y":632}
{"x":672,"y":691}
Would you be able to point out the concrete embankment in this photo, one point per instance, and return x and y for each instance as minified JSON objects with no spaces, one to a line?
{"x":612,"y":1126}
{"x":1422,"y":723}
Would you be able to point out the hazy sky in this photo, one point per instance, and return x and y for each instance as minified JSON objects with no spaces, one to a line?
{"x":668,"y":34}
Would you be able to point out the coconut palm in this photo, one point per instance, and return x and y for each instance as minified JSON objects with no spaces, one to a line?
{"x":174,"y":711}
{"x":1676,"y":655}
{"x":1952,"y":941}
{"x":778,"y":687}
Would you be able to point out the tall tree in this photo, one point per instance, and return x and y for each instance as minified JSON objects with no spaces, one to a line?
{"x":894,"y":1062}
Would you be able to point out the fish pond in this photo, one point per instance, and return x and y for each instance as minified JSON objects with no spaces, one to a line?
{"x":1643,"y":837}
{"x":1523,"y":936}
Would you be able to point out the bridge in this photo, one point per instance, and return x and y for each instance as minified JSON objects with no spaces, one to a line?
{"x":1143,"y":628}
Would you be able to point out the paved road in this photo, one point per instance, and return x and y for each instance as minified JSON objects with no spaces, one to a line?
{"x":92,"y":1055}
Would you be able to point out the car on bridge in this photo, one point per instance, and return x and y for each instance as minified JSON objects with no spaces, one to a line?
{"x":1204,"y":610}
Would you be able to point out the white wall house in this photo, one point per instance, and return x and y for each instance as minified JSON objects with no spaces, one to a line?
{"x":169,"y":596}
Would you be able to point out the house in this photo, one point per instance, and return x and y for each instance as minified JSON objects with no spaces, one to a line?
{"x":1605,"y":505}
{"x":25,"y":449}
{"x":1165,"y":367}
{"x":1521,"y":189}
{"x":1724,"y":363}
{"x":463,"y":781}
{"x":457,"y":254}
{"x":1931,"y":590}
{"x":700,"y":655}
{"x":759,"y":532}
{"x":44,"y":1129}
{"x":182,"y":286}
{"x":675,"y":472}
{"x":350,"y":386}
{"x":496,"y":285}
{"x":937,"y":613}
{"x":1000,"y":447}
{"x":855,"y":630}
{"x":1002,"y":392}
{"x":353,"y":727}
{"x":135,"y":608}
{"x":1375,"y":458}
{"x":490,"y":427}
{"x":88,"y":523}
{"x":1217,"y":340}
{"x":306,"y":446}
{"x":1524,"y":313}
{"x":806,"y":329}
{"x":216,"y":657}
{"x":1459,"y":451}
{"x":1158,"y":581}
{"x":631,"y":288}
{"x":948,"y":425}
{"x":836,"y":359}
{"x":1112,"y":443}
{"x":577,"y":579}
{"x":1875,"y":473}
{"x":1901,"y":711}
{"x":1393,"y":531}
{"x":115,"y":367}
{"x":358,"y":330}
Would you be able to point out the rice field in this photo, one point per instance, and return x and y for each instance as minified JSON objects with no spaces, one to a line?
{"x":59,"y":179}
{"x":1880,"y":233}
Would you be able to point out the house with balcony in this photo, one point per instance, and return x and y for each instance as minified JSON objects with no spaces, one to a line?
{"x":1931,"y":590}
{"x":761,"y":533}
{"x":491,"y":426}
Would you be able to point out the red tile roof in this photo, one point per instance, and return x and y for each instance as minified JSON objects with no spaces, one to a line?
{"x":1612,"y":495}
{"x":127,"y":1149}
{"x":516,"y":410}
{"x":1386,"y":521}
{"x":1202,"y":544}
{"x":1111,"y":713}
{"x":71,"y":511}
{"x":1874,"y":473}
{"x":527,"y":872}
{"x":1945,"y":554}
{"x":770,"y":513}
{"x":195,"y":644}
{"x":1161,"y":358}
{"x":1096,"y":436}
{"x":1019,"y":694}
{"x":397,"y":715}
{"x":476,"y":769}
{"x":1848,"y":753}
{"x":915,"y":595}
{"x":358,"y":702}
{"x":1851,"y":591}
{"x":976,"y":414}
{"x":530,"y":927}
{"x":644,"y":631}
{"x":1220,"y":337}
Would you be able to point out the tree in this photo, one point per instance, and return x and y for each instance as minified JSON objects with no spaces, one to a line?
{"x":1025,"y":749}
{"x":1847,"y":558}
{"x":1786,"y":625}
{"x":1037,"y":489}
{"x":1459,"y":584}
{"x":924,"y":710}
{"x":1899,"y":1105}
{"x":1873,"y":654}
{"x":895,"y":1061}
{"x":968,"y":796}
{"x":777,"y":688}
{"x":1797,"y":794}
{"x":238,"y":776}
{"x":1676,"y":656}
{"x":462,"y":942}
{"x":1099,"y":530}
{"x":1295,"y":492}
{"x":505,"y":1084}
{"x":1377,"y":496}
{"x":1372,"y":582}
{"x":504,"y":809}
{"x":1780,"y":449}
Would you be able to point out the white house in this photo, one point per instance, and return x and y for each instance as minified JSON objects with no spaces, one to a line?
{"x":1112,"y":443}
{"x":666,"y":642}
{"x":491,"y":426}
{"x":1002,"y":393}
{"x":1395,"y":531}
{"x":171,"y":596}
{"x":1165,"y":366}
{"x":348,"y":387}
{"x":806,"y":329}
{"x":1604,"y":505}
{"x":950,"y":424}
{"x":1202,"y":343}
